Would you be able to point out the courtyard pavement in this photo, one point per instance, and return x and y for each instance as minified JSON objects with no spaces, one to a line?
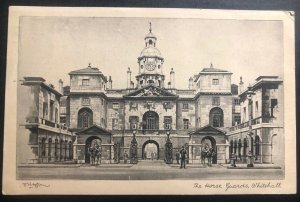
{"x":144,"y":170}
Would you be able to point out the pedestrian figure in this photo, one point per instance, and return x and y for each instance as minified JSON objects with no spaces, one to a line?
{"x":177,"y":154}
{"x":183,"y":154}
{"x":125,"y":157}
{"x":152,"y":156}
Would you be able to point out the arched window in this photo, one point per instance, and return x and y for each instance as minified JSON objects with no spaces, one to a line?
{"x":216,"y":117}
{"x":150,"y":121}
{"x":150,"y":42}
{"x":85,"y":118}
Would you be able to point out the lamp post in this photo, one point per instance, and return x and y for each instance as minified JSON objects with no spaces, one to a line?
{"x":272,"y":147}
{"x":250,"y":94}
{"x":168,"y":147}
{"x":133,"y":147}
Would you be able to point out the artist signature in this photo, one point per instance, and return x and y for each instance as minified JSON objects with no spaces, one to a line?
{"x":31,"y":185}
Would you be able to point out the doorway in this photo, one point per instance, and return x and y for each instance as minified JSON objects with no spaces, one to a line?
{"x":150,"y":150}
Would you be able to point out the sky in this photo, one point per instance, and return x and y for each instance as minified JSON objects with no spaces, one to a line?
{"x":51,"y":47}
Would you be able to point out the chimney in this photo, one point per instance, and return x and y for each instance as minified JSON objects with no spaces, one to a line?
{"x":109,"y":83}
{"x":241,"y":86}
{"x":128,"y":78}
{"x":191,"y":83}
{"x":60,"y":86}
{"x":172,"y":78}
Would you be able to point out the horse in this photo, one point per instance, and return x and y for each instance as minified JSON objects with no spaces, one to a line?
{"x":207,"y":154}
{"x":95,"y":154}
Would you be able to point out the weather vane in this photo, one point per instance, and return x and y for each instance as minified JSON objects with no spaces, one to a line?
{"x":150,"y":27}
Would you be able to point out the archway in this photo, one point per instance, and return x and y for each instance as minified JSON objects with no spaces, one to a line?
{"x":150,"y":148}
{"x":91,"y":141}
{"x":150,"y":120}
{"x":211,"y":142}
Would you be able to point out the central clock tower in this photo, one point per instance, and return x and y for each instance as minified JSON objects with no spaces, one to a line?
{"x":150,"y":64}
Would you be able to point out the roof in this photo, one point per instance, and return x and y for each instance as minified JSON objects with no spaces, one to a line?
{"x":150,"y":52}
{"x":94,"y":129}
{"x":89,"y":71}
{"x":150,"y":35}
{"x":40,"y":81}
{"x":208,"y":129}
{"x":212,"y":69}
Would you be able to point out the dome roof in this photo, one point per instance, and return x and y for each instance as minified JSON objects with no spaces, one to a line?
{"x":150,"y":52}
{"x":150,"y":35}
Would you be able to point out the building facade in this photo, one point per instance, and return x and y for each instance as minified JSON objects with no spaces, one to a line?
{"x":261,"y":131}
{"x":63,"y":125}
{"x":43,"y":138}
{"x":99,"y":112}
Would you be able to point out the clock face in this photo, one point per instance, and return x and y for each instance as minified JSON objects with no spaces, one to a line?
{"x":150,"y":65}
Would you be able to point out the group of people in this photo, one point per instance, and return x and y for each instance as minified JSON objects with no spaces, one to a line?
{"x":206,"y":153}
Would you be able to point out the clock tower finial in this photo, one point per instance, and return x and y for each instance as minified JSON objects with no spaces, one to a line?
{"x":150,"y":29}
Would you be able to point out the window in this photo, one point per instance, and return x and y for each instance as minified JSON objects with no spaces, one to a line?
{"x":273,"y":105}
{"x":256,"y":108}
{"x":236,"y":102}
{"x":237,"y":120}
{"x":85,"y":118}
{"x":216,"y":117}
{"x":150,"y":121}
{"x":133,"y":121}
{"x":45,"y":109}
{"x":115,"y":105}
{"x":85,"y":82}
{"x":51,"y":110}
{"x":185,"y":124}
{"x":102,"y":101}
{"x":115,"y":124}
{"x":167,"y":122}
{"x":216,"y":101}
{"x":185,"y":106}
{"x":215,"y":81}
{"x":85,"y":101}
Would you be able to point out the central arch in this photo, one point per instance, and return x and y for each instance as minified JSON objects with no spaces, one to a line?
{"x":150,"y":121}
{"x":144,"y":148}
{"x":91,"y":141}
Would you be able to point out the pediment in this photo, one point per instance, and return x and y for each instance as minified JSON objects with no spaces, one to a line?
{"x":94,"y":129}
{"x":208,"y":129}
{"x":150,"y":91}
